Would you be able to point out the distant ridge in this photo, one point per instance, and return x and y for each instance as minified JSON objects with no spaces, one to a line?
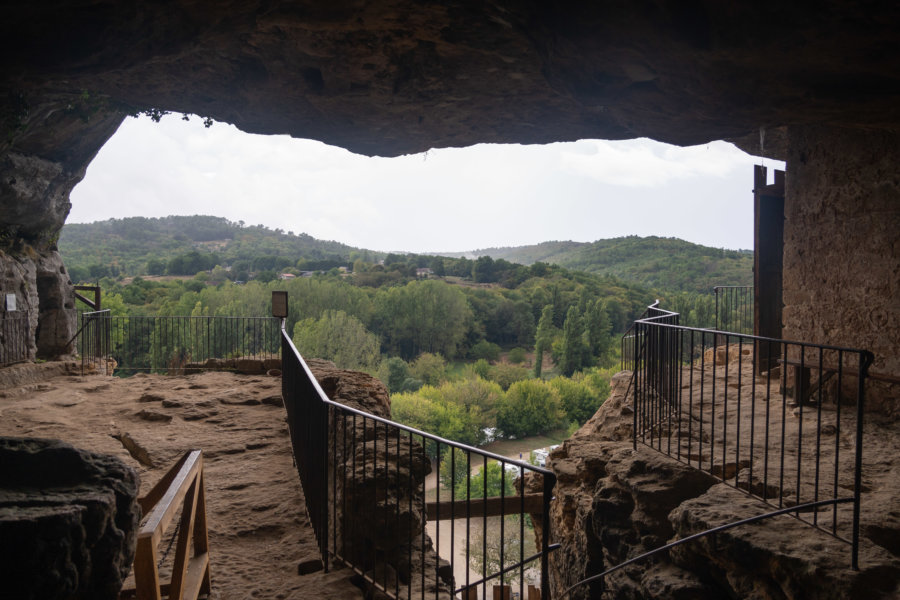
{"x":128,"y":245}
{"x":657,"y":262}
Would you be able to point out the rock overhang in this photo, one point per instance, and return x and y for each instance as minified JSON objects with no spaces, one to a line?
{"x":399,"y":77}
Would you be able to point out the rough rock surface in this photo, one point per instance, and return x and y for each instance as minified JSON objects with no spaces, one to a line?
{"x":614,"y":503}
{"x":68,"y":520}
{"x":44,"y":296}
{"x":258,"y":529}
{"x":398,"y":76}
{"x":381,"y":476}
{"x":842,"y":248}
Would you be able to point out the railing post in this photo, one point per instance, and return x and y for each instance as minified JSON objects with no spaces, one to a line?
{"x":865,"y":360}
{"x":549,"y":483}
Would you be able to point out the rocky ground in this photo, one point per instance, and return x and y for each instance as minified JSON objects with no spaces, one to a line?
{"x":614,"y":502}
{"x":258,"y":528}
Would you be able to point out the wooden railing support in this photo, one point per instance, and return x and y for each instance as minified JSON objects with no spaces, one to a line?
{"x":181,"y":486}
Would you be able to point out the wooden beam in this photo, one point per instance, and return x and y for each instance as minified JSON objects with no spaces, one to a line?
{"x":481,"y":507}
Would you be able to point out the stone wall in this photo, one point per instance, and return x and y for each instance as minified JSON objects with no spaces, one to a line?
{"x":842,"y":247}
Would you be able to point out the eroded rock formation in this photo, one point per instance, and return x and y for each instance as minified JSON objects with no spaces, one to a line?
{"x":378,"y":480}
{"x":614,"y":503}
{"x":68,"y":520}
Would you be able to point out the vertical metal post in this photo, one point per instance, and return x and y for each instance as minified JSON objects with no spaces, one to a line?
{"x":549,"y":483}
{"x":865,"y":359}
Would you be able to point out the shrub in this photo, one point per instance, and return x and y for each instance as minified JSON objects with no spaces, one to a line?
{"x":486,"y":350}
{"x":577,"y":399}
{"x":482,"y":368}
{"x":506,"y":374}
{"x":430,"y":368}
{"x":516,"y":356}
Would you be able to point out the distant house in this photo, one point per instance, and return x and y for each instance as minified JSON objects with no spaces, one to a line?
{"x":424,"y":273}
{"x":307,"y":273}
{"x":286,"y":276}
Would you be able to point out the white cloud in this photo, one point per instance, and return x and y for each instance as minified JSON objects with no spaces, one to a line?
{"x":447,"y":199}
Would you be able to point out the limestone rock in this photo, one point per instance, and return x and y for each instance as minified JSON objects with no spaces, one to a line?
{"x":68,"y":520}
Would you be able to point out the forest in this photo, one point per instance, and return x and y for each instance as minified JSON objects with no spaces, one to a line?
{"x":470,"y":349}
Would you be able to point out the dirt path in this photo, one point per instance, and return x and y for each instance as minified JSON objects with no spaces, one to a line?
{"x":257,"y":517}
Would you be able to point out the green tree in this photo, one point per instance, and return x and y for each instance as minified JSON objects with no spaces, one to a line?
{"x":530,"y":407}
{"x":422,"y":316}
{"x":572,"y":348}
{"x":486,"y":350}
{"x":577,"y":399}
{"x":516,"y":356}
{"x":543,"y":338}
{"x":338,"y":337}
{"x":428,"y":367}
{"x":597,"y":329}
{"x":506,"y":374}
{"x":393,"y":372}
{"x":492,"y":480}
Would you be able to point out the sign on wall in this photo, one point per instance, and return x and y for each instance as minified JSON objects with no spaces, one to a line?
{"x":10,"y":302}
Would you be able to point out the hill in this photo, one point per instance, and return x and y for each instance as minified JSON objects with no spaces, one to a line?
{"x":148,"y":246}
{"x":655,"y":262}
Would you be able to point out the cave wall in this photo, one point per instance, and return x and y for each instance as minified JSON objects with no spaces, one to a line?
{"x":842,"y":247}
{"x":37,"y":174}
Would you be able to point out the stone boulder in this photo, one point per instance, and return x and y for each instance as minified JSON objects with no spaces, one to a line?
{"x":68,"y":521}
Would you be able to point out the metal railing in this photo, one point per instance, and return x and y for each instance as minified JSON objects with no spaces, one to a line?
{"x":770,"y":428}
{"x":128,"y":344}
{"x":366,"y":487}
{"x":15,"y":335}
{"x":734,"y":308}
{"x":630,"y":347}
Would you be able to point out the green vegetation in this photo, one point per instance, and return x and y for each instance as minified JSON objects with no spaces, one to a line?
{"x":450,"y":348}
{"x":662,"y":263}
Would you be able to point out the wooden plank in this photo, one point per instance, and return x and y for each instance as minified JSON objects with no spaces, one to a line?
{"x":168,"y":505}
{"x":182,"y":545}
{"x":148,"y":502}
{"x":201,"y":533}
{"x":480,"y":507}
{"x":197,"y":573}
{"x":146,"y":576}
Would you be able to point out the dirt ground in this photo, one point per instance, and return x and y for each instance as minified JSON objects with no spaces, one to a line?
{"x":258,"y":527}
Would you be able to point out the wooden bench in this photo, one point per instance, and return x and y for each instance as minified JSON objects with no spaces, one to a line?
{"x":181,"y":486}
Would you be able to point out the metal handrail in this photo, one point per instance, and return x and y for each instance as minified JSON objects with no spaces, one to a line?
{"x":316,"y":441}
{"x":662,"y":396}
{"x":172,"y":343}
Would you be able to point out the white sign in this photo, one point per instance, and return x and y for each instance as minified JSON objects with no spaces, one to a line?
{"x":11,"y":302}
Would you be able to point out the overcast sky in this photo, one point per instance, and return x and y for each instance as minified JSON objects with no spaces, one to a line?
{"x":443,"y":200}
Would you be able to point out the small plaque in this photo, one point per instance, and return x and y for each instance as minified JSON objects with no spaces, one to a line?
{"x":11,"y":302}
{"x":280,"y":305}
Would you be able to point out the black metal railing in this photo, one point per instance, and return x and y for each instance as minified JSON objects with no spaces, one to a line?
{"x":773,"y":428}
{"x":630,"y":346}
{"x":173,"y":345}
{"x":15,"y":335}
{"x":734,"y":308}
{"x":367,"y":489}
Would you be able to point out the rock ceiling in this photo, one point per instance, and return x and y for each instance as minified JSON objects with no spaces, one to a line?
{"x":401,"y":76}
